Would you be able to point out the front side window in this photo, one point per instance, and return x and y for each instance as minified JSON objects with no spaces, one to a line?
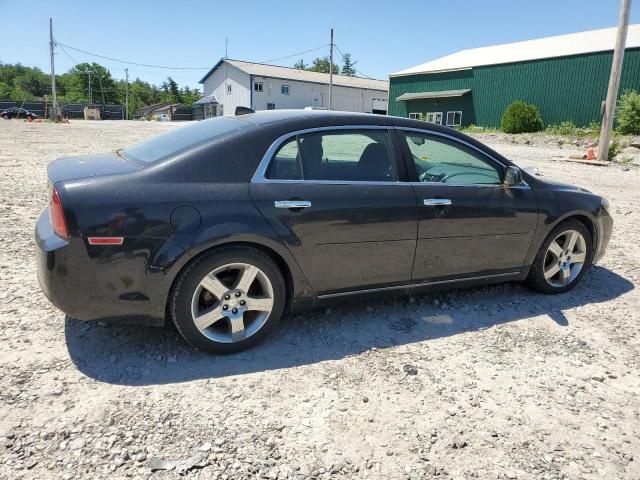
{"x":271,"y":106}
{"x":415,"y":116}
{"x":284,"y":89}
{"x":258,"y":86}
{"x":228,"y":88}
{"x":348,"y":155}
{"x":454,"y":119}
{"x":441,"y":160}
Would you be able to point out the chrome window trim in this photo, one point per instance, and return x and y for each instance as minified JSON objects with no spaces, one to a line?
{"x":469,"y":145}
{"x":260,"y":174}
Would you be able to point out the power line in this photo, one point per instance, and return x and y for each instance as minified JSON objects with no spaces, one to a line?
{"x":296,"y":54}
{"x":128,"y":62}
{"x":357,"y":71}
{"x":75,"y":62}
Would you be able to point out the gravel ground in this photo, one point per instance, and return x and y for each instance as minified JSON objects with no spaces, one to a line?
{"x":484,"y":383}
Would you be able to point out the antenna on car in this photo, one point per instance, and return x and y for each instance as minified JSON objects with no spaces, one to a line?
{"x":244,"y":110}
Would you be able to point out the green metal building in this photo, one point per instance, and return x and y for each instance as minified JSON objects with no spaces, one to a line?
{"x":566,"y":76}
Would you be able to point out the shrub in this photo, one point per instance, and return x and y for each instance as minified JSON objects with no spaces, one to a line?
{"x":570,"y":128}
{"x":565,"y":128}
{"x":614,"y":149}
{"x":628,"y":113}
{"x":520,"y":117}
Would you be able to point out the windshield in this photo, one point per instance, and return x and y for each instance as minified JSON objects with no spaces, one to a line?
{"x":181,"y":138}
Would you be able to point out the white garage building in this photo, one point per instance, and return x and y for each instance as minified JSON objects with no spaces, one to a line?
{"x":235,"y":83}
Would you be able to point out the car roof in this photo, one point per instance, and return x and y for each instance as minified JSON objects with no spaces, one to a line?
{"x":321,"y":118}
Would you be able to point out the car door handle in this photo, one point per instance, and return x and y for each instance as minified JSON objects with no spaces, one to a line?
{"x":436,"y":202}
{"x":292,"y":204}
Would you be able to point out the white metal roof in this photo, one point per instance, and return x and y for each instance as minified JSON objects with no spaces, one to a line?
{"x":287,"y":73}
{"x":548,"y":47}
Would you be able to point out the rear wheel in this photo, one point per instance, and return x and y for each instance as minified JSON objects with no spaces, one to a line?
{"x":563,"y":259}
{"x":228,"y":300}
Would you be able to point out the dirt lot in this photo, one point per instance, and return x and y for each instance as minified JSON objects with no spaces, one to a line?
{"x":484,"y":383}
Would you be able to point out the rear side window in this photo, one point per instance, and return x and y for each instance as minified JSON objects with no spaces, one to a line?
{"x":181,"y":139}
{"x":349,"y":155}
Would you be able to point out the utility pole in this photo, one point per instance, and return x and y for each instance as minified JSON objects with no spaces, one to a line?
{"x":331,"y":70}
{"x":101,"y":89}
{"x":126,"y":93}
{"x":89,"y":85}
{"x":54,"y":107}
{"x":614,"y":82}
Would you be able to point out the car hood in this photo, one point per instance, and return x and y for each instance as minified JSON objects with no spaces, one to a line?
{"x":553,"y":185}
{"x":70,"y":168}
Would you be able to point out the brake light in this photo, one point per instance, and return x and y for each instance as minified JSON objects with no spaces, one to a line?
{"x":56,"y":214}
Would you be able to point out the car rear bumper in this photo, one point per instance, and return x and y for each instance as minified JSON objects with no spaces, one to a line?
{"x":88,"y":285}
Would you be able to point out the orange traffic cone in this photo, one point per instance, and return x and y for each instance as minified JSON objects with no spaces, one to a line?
{"x":590,"y":153}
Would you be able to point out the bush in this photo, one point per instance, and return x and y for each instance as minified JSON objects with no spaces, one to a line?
{"x":628,"y":113}
{"x":570,"y":128}
{"x":520,"y":117}
{"x":565,"y":128}
{"x":614,"y":149}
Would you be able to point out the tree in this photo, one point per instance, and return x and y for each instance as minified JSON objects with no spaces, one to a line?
{"x":322,"y":65}
{"x":74,"y":85}
{"x":300,"y":65}
{"x":348,"y":67}
{"x":18,"y":82}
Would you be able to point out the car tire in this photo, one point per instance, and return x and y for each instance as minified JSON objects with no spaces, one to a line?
{"x":239,"y":289}
{"x":563,"y":259}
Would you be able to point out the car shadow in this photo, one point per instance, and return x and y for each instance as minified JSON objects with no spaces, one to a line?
{"x":139,"y":355}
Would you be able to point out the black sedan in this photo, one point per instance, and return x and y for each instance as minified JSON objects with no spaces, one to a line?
{"x":223,"y":225}
{"x":17,"y":112}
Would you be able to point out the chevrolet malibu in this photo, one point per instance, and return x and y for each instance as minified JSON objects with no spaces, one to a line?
{"x":223,"y":225}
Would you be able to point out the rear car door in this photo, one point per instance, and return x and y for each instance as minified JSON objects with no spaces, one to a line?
{"x":336,"y":198}
{"x":470,"y":223}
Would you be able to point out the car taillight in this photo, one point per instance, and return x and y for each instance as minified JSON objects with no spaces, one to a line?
{"x":56,"y":213}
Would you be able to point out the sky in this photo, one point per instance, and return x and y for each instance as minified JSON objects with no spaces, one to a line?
{"x":382,"y":36}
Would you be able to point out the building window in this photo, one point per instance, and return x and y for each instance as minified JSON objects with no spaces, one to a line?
{"x":454,"y":119}
{"x":258,"y":86}
{"x":284,"y":89}
{"x":434,"y":117}
{"x":228,"y":88}
{"x":415,"y":115}
{"x":271,"y":106}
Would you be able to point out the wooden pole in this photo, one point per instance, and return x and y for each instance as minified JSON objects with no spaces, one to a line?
{"x":614,"y":82}
{"x":331,"y":70}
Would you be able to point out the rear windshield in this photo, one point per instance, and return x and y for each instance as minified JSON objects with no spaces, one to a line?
{"x":181,"y":138}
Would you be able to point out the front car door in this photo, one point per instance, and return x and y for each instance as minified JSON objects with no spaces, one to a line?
{"x":470,"y":223}
{"x":336,"y":198}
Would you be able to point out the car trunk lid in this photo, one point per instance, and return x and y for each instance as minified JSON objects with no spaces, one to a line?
{"x":69,"y":168}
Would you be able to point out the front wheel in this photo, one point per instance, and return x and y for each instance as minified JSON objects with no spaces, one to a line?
{"x":563,"y":259}
{"x":228,"y":300}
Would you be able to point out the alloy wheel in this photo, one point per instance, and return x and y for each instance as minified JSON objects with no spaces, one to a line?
{"x":232,"y":302}
{"x":565,"y":258}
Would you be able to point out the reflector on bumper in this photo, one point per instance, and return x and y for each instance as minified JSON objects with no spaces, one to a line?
{"x":105,"y":240}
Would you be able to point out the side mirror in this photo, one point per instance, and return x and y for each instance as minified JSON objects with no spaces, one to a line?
{"x":513,"y":176}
